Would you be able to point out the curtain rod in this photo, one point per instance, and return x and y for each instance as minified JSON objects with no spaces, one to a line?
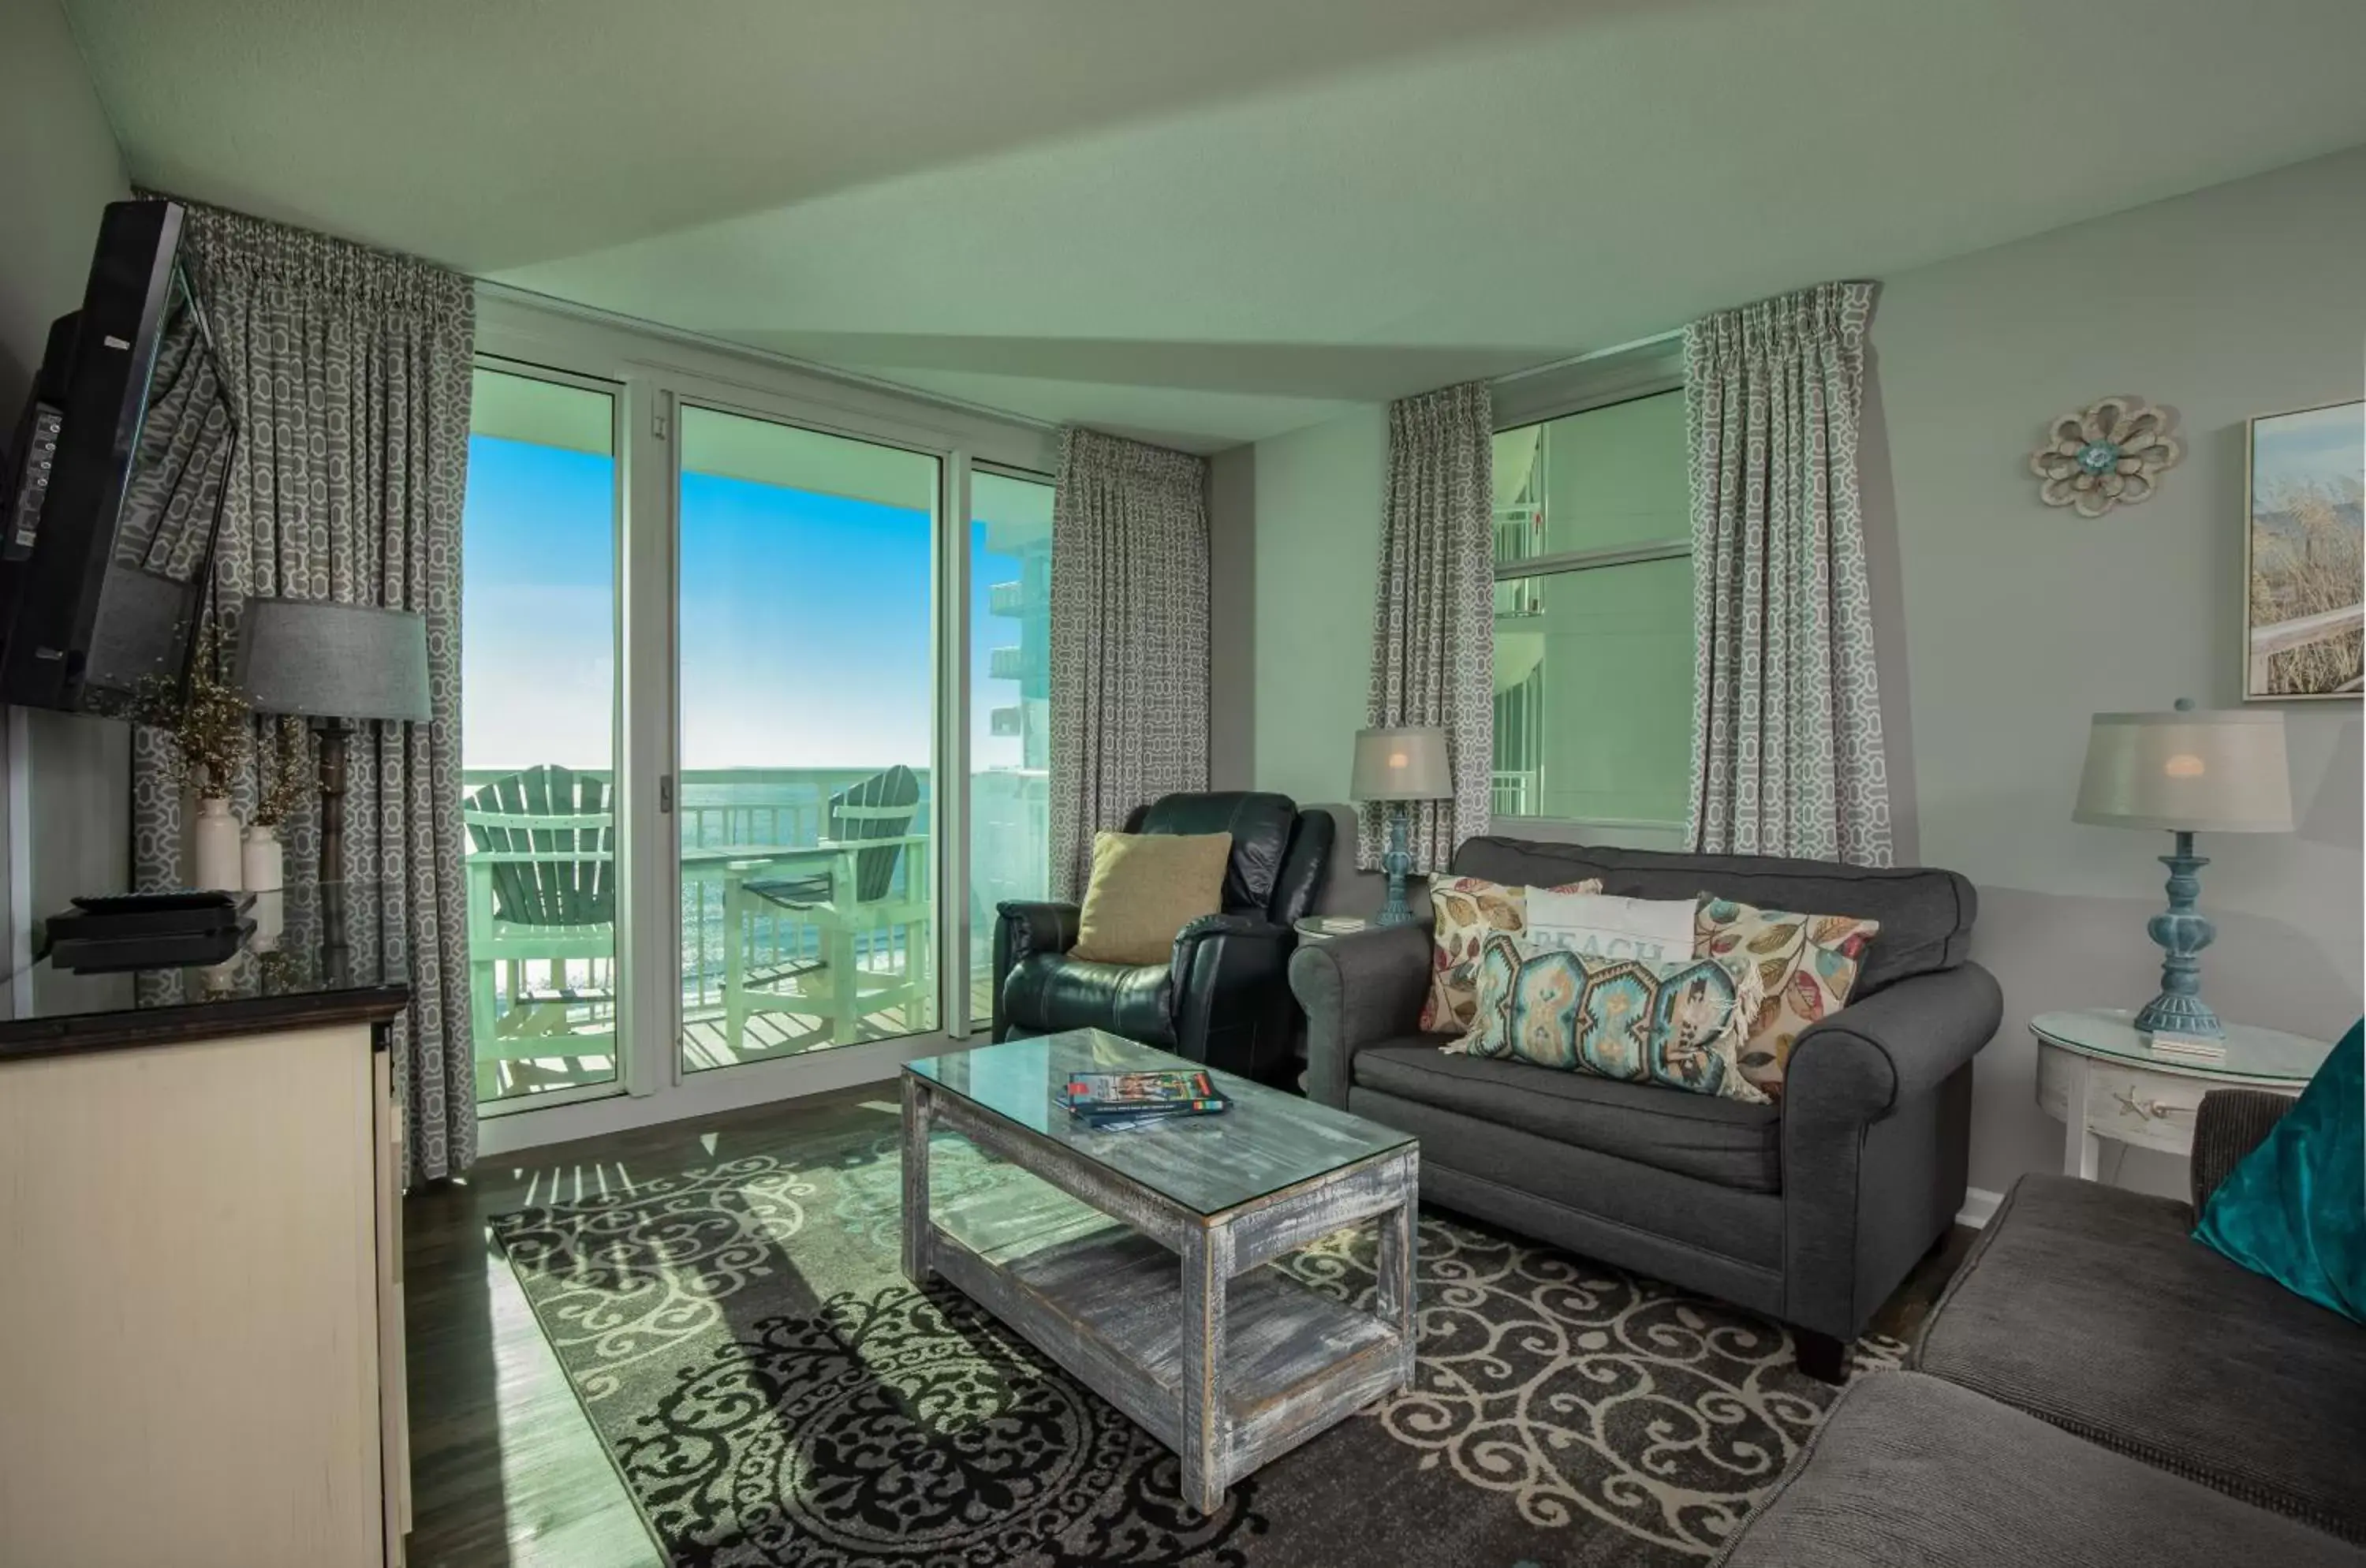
{"x":1672,"y":336}
{"x":562,"y":306}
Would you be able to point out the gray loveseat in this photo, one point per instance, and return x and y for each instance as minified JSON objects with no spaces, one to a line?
{"x":2096,"y":1387}
{"x":1811,"y":1210}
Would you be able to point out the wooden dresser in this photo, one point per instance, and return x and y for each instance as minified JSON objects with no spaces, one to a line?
{"x":201,"y":1323}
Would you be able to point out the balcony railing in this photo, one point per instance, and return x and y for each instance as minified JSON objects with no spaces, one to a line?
{"x":783,"y":809}
{"x":1007,"y":598}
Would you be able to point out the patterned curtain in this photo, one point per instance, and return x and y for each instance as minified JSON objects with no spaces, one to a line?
{"x":1129,"y":639}
{"x":1434,"y":617}
{"x":1786,"y":714}
{"x":349,"y":372}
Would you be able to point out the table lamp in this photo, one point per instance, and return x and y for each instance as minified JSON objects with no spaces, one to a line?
{"x":2216,"y":772}
{"x":333,"y":663}
{"x":1394,"y":766}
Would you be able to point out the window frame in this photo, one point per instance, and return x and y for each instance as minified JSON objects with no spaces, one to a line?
{"x":1589,"y":385}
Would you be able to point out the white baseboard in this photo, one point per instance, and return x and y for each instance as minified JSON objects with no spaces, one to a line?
{"x":1979,"y":1207}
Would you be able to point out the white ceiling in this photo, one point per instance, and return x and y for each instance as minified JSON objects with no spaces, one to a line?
{"x":1214,"y":221}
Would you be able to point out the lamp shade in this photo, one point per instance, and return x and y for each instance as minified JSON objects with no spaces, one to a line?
{"x":324,"y":659}
{"x":1403,"y":763}
{"x":2219,"y":771}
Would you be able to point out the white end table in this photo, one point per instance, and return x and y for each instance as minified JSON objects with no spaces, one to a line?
{"x":2105,"y":1081}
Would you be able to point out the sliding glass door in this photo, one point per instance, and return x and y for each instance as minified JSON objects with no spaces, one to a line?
{"x":538,"y":621}
{"x":806,"y":626}
{"x":756,"y":730}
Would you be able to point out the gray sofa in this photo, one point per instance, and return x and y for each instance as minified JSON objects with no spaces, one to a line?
{"x":2096,"y":1387}
{"x":1811,"y":1210}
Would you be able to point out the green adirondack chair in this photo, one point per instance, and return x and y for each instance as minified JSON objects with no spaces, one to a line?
{"x":542,"y":885}
{"x":846,"y":886}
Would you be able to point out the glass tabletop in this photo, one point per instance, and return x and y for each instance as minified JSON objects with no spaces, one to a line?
{"x":1263,"y":1141}
{"x":2250,"y":1053}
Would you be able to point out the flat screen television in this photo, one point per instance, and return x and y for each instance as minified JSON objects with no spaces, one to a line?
{"x":114,"y":482}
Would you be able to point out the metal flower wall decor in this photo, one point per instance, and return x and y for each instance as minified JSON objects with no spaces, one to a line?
{"x":2110,"y":454}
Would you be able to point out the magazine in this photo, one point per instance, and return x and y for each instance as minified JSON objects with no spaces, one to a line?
{"x":1095,"y":1094}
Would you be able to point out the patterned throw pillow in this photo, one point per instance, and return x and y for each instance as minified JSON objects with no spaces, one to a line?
{"x":1601,"y":926}
{"x":1464,"y":910}
{"x":1676,"y":1024}
{"x":1807,"y":967}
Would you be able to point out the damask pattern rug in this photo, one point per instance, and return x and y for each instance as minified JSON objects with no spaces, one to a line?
{"x":773,"y":1392}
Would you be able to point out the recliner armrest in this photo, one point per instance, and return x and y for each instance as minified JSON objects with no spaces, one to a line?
{"x":1358,"y":990}
{"x":1231,"y":1003}
{"x":1020,"y":928}
{"x":1893,"y":1047}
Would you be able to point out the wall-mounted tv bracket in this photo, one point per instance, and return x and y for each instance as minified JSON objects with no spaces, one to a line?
{"x":32,"y":482}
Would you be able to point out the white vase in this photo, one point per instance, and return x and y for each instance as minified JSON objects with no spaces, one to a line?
{"x":214,"y":836}
{"x":265,"y":862}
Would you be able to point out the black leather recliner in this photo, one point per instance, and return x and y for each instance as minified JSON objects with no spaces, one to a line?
{"x":1225,"y":999}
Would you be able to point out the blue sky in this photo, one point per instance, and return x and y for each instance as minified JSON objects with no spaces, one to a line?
{"x":805,"y":621}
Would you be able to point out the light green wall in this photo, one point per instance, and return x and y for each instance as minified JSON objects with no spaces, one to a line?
{"x":2021,"y":621}
{"x":1317,"y":497}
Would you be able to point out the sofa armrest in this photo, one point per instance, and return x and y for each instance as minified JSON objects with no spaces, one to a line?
{"x":1358,"y":990}
{"x":1894,"y":1046}
{"x":2229,"y":1123}
{"x":1022,"y":929}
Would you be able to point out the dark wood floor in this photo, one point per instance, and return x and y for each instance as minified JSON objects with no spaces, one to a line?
{"x":505,"y":1469}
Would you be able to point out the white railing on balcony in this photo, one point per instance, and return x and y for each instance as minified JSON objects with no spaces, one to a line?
{"x":787,"y":808}
{"x":1007,"y":664}
{"x":1516,"y":793}
{"x":1007,"y":598}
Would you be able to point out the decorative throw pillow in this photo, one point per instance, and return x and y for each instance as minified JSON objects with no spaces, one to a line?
{"x":1145,"y":888}
{"x":1807,"y":967}
{"x":2294,"y":1208}
{"x":1676,"y":1024}
{"x":1601,"y":926}
{"x":1464,"y":911}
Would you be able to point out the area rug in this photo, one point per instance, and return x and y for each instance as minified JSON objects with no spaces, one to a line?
{"x":773,"y":1392}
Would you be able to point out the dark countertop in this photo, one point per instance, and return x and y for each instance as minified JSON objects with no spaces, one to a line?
{"x":317,"y":955}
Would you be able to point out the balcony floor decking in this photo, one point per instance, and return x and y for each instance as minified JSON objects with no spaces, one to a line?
{"x":766,"y":1037}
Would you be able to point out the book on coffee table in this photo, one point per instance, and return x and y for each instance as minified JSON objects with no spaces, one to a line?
{"x":1111,"y":1099}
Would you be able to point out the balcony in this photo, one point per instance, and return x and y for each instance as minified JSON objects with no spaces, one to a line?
{"x":553,"y":1017}
{"x":1007,"y":664}
{"x":1007,"y":598}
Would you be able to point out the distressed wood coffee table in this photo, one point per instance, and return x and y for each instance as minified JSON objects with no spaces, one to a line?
{"x":1146,"y":1279}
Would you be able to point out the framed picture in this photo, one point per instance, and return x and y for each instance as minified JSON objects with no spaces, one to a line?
{"x":2303,"y":572}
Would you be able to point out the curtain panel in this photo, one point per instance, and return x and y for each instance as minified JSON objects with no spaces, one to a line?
{"x":349,"y":373}
{"x":1787,"y":716}
{"x":1433,"y":613}
{"x":1129,"y":639}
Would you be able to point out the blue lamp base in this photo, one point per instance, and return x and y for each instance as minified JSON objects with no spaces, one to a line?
{"x":2182,"y":933}
{"x":1397,"y":862}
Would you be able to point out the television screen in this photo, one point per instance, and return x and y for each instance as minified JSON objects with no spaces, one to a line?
{"x":116,"y":493}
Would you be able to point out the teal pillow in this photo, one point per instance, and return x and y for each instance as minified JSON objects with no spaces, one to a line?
{"x":2294,"y":1209}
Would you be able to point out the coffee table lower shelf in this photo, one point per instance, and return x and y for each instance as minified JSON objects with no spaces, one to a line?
{"x":1108,"y":1306}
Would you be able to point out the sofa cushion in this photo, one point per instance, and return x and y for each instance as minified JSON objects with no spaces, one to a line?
{"x":1926,"y":915}
{"x":1729,"y":1142}
{"x":2093,"y":1308}
{"x":1145,"y":888}
{"x":1050,"y":991}
{"x":1907,"y":1469}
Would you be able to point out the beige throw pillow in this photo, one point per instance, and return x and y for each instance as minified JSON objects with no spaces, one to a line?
{"x":1807,"y":968}
{"x":1145,"y":888}
{"x":1464,"y":912}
